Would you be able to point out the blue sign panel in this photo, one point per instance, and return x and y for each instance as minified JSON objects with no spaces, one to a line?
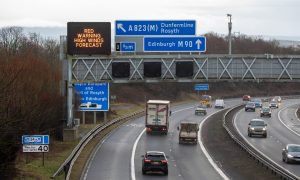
{"x":93,"y":96}
{"x":127,"y":46}
{"x":142,"y":28}
{"x":176,"y":44}
{"x":201,"y":87}
{"x":35,"y":139}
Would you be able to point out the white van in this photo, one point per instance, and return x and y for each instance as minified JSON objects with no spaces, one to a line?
{"x":219,"y":103}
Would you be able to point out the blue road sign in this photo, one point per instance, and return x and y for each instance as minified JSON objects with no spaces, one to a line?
{"x":93,"y":96}
{"x":201,"y":87}
{"x":142,"y":28}
{"x":175,"y":44}
{"x":126,"y":46}
{"x":35,"y":139}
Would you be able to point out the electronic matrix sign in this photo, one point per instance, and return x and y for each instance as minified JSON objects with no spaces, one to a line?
{"x":89,"y":38}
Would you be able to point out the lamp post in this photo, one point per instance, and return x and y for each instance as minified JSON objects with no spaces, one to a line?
{"x":229,"y":33}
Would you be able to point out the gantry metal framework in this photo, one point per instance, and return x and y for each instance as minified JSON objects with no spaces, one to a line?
{"x":205,"y":68}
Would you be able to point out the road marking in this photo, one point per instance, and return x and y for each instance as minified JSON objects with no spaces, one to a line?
{"x":94,"y":154}
{"x":200,"y":143}
{"x":235,"y":125}
{"x":284,"y":123}
{"x":136,"y":142}
{"x":209,"y":158}
{"x":133,"y":153}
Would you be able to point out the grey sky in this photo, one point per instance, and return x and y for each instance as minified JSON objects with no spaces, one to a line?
{"x":251,"y":17}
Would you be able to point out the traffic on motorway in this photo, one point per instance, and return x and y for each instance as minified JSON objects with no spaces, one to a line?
{"x":276,"y":123}
{"x":167,"y":138}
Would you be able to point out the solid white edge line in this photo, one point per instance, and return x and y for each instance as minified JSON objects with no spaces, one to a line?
{"x":235,"y":117}
{"x":133,"y":153}
{"x":283,"y":122}
{"x":87,"y":168}
{"x":209,"y":158}
{"x":132,"y":167}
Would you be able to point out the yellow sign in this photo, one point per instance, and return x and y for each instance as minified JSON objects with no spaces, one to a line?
{"x":88,"y":39}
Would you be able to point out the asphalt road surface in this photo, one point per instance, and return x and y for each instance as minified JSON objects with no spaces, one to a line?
{"x":282,"y":128}
{"x":113,"y":158}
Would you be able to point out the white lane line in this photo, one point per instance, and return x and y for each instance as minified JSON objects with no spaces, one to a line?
{"x":209,"y":158}
{"x":284,"y":123}
{"x":94,"y":154}
{"x":136,"y":142}
{"x":133,"y":153}
{"x":235,"y":125}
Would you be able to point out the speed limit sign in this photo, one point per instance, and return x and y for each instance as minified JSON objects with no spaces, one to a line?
{"x":35,"y":148}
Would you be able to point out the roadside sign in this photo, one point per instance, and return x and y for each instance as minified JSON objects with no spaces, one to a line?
{"x":93,"y":96}
{"x":175,"y":44}
{"x":201,"y":87}
{"x":35,"y":139}
{"x":89,"y":38}
{"x":158,"y":27}
{"x":126,"y":47}
{"x":35,"y":148}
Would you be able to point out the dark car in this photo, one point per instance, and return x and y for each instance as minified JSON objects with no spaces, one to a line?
{"x":291,"y":153}
{"x":246,"y":98}
{"x":155,"y":161}
{"x":250,"y":106}
{"x":257,"y":127}
{"x":258,"y":103}
{"x":265,"y":111}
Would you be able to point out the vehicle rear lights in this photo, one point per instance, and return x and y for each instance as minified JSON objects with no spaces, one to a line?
{"x":148,"y":129}
{"x":147,"y":160}
{"x":164,"y":161}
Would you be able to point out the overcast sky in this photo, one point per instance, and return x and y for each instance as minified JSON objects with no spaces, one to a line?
{"x":251,"y":17}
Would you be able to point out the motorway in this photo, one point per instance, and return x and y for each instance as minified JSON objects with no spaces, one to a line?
{"x":282,"y":128}
{"x":113,"y":160}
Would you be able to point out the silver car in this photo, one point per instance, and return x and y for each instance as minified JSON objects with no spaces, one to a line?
{"x":291,"y":153}
{"x":257,"y":127}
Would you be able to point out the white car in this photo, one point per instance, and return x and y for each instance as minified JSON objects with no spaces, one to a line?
{"x":219,"y":103}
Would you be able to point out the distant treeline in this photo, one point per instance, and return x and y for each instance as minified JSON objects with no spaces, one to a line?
{"x":243,"y":44}
{"x":30,"y":100}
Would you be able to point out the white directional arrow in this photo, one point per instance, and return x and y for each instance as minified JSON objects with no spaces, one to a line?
{"x":198,"y":42}
{"x":120,"y":26}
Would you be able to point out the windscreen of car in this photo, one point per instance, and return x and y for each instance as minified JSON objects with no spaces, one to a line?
{"x":155,"y":157}
{"x":189,"y":127}
{"x":266,"y":109}
{"x":294,"y":149}
{"x":257,"y":100}
{"x":257,"y":123}
{"x":250,"y":104}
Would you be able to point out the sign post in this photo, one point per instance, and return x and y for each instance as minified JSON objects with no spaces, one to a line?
{"x":35,"y":143}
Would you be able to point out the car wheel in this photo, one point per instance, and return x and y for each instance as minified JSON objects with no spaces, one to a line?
{"x":265,"y":135}
{"x":287,"y":160}
{"x":166,"y":172}
{"x":144,"y":172}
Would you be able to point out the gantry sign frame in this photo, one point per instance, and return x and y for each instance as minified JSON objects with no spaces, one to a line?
{"x":205,"y":68}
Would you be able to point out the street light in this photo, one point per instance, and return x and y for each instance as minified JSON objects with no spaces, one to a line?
{"x":229,"y":33}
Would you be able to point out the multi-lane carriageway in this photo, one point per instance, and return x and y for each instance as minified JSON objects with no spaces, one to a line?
{"x":118,"y":156}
